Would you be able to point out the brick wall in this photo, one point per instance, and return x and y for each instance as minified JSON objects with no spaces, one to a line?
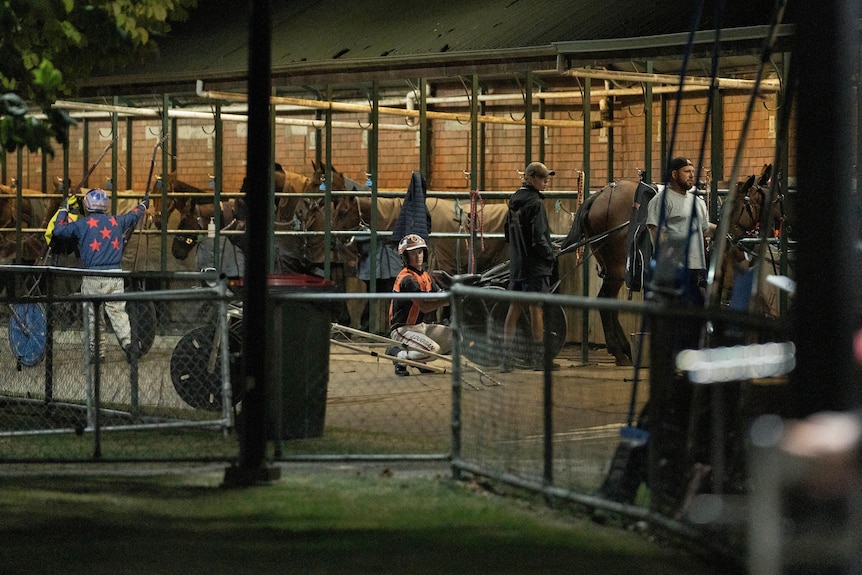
{"x":449,"y":146}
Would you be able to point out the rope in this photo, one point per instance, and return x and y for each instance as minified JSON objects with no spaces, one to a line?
{"x":477,"y":222}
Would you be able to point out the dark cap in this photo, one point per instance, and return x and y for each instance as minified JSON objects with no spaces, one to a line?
{"x":675,"y":164}
{"x":538,"y":169}
{"x":678,"y":163}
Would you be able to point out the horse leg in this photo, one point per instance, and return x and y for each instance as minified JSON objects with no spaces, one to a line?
{"x":615,"y":337}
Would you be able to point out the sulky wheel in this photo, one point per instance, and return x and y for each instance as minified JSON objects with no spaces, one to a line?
{"x":555,"y":325}
{"x":481,"y":337}
{"x":27,"y":333}
{"x":142,"y":319}
{"x":142,"y":316}
{"x":196,"y":378}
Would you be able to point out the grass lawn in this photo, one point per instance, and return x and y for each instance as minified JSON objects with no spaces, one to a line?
{"x":322,"y":518}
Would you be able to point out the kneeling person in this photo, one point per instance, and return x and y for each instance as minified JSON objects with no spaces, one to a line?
{"x":409,"y":319}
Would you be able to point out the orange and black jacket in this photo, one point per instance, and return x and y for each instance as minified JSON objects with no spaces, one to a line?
{"x":404,"y":311}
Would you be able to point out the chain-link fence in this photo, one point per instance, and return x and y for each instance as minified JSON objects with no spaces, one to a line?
{"x":558,"y":426}
{"x":570,"y":423}
{"x":75,"y":390}
{"x":332,"y":389}
{"x":559,"y":417}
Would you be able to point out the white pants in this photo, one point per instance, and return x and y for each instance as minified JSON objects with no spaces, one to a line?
{"x":116,"y":310}
{"x":421,"y":339}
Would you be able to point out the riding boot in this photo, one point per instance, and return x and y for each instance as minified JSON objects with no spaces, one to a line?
{"x":538,"y":358}
{"x":507,"y":354}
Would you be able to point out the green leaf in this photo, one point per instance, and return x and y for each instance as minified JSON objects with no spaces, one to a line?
{"x":48,"y":77}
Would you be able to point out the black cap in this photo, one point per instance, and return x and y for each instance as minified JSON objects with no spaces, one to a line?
{"x":677,"y":163}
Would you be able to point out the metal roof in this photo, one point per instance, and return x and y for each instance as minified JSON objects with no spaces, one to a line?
{"x":317,"y":42}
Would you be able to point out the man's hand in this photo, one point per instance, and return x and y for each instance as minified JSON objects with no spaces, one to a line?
{"x":145,"y":201}
{"x":556,"y":248}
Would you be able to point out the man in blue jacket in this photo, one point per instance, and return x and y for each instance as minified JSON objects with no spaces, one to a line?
{"x":101,"y":242}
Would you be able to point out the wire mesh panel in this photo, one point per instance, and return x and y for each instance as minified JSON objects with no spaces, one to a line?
{"x":71,"y":390}
{"x":517,"y":422}
{"x":369,"y":408}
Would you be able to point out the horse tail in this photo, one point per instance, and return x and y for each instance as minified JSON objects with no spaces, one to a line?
{"x":577,"y":231}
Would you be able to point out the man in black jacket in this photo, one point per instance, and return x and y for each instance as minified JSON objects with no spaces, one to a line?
{"x":531,"y":259}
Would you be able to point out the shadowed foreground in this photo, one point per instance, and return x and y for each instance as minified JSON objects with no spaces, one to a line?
{"x":316,"y":519}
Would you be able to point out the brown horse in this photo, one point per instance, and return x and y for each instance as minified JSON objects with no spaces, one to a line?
{"x":451,"y":255}
{"x":294,"y":212}
{"x":602,"y":220}
{"x":745,"y":218}
{"x":603,"y":216}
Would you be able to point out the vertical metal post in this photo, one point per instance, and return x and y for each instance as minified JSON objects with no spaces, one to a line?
{"x":85,"y":155}
{"x":115,"y":156}
{"x":44,"y":186}
{"x":50,"y":322}
{"x":373,"y":149}
{"x":663,"y":151}
{"x":217,"y":191}
{"x":270,"y":193}
{"x":130,"y":162}
{"x":167,"y":124}
{"x":648,"y":119}
{"x":542,"y":130}
{"x":19,"y":212}
{"x":224,"y":356}
{"x":824,"y":57}
{"x":474,"y":131}
{"x":547,"y":404}
{"x":327,"y":238}
{"x":257,"y":309}
{"x":423,"y":128}
{"x":585,"y":270}
{"x":474,"y":165}
{"x":716,"y":153}
{"x":456,"y":423}
{"x":528,"y":120}
{"x":610,"y":134}
{"x":96,"y":366}
{"x":784,"y":127}
{"x":66,"y":180}
{"x":483,"y":144}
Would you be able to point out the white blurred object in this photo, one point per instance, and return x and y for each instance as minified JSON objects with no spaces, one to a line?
{"x":782,"y":283}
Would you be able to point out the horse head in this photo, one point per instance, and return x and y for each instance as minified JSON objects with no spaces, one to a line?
{"x":346,"y":214}
{"x":291,"y":185}
{"x":183,"y":216}
{"x":752,"y":198}
{"x":318,"y":178}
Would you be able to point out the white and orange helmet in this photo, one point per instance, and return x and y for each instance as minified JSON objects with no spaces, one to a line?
{"x":411,"y":242}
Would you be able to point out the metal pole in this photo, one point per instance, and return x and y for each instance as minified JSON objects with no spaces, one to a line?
{"x":257,"y":308}
{"x":827,"y":295}
{"x":648,"y":119}
{"x":163,"y":237}
{"x":457,"y":386}
{"x":115,"y":156}
{"x":423,"y":128}
{"x":585,"y":270}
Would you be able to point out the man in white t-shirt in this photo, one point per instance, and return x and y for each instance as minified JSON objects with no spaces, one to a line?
{"x":678,"y":222}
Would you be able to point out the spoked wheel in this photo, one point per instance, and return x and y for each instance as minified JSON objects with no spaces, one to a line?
{"x":142,"y":316}
{"x":27,"y":333}
{"x":555,"y":325}
{"x":482,"y":339}
{"x":196,"y":373}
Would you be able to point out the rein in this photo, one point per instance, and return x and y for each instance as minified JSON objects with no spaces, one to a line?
{"x":476,"y":223}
